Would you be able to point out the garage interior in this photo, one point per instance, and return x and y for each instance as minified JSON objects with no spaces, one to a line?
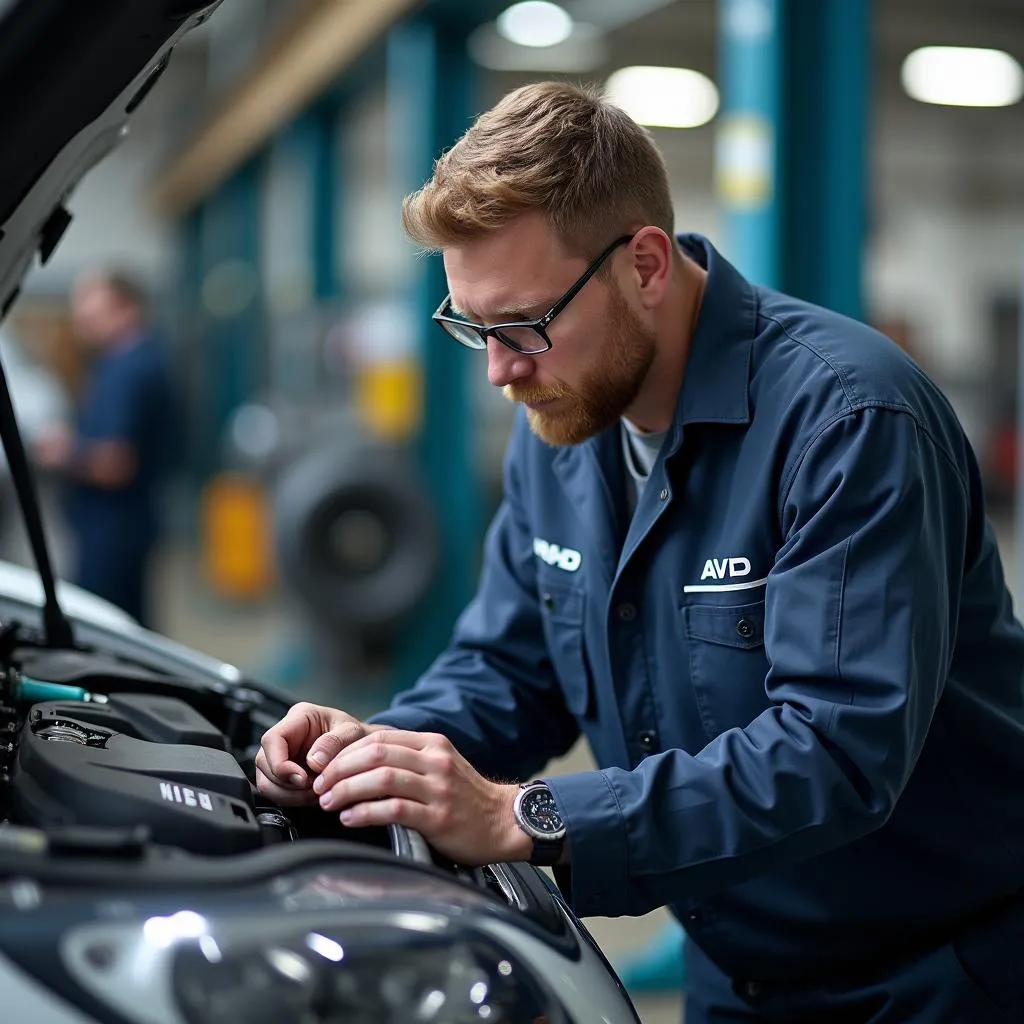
{"x":258,"y":197}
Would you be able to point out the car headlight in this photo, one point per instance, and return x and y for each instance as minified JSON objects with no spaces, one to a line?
{"x":427,"y":970}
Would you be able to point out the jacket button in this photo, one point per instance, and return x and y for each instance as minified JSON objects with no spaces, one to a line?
{"x":648,"y":739}
{"x":663,"y":495}
{"x":548,"y":601}
{"x":751,"y":989}
{"x":693,"y":917}
{"x":626,"y":612}
{"x":745,"y":628}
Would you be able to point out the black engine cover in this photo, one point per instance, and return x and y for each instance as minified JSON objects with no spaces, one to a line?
{"x":148,"y":716}
{"x":72,"y":771}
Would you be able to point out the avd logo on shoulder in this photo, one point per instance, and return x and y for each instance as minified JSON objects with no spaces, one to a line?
{"x":553,"y":554}
{"x":721,"y":568}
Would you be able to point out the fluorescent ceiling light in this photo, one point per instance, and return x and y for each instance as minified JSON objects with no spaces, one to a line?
{"x":664,"y":97}
{"x":535,"y":23}
{"x":584,"y":51}
{"x":962,"y":76}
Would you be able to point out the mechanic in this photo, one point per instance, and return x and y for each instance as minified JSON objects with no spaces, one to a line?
{"x":116,"y":458}
{"x":743,"y":550}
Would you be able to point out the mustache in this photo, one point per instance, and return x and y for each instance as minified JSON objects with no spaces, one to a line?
{"x":531,"y":395}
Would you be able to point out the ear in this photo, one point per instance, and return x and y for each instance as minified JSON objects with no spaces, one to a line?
{"x":653,"y":258}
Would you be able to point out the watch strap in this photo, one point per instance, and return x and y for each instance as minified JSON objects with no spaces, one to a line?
{"x":546,"y":851}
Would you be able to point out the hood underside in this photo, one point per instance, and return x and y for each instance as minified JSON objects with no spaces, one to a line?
{"x":73,"y":73}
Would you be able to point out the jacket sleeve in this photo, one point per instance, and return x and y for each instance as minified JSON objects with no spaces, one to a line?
{"x":860,"y":619}
{"x":494,"y":692}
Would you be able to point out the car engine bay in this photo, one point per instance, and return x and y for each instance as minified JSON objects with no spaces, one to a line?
{"x":149,"y":762}
{"x":86,"y":743}
{"x":103,"y":754}
{"x":109,"y":762}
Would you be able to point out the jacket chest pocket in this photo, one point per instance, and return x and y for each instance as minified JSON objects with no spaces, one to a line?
{"x":562,"y":611}
{"x":728,"y":664}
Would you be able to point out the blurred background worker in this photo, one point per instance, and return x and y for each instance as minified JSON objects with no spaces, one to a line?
{"x":115,"y":458}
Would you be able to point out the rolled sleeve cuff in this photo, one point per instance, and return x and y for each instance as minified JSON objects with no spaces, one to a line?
{"x":597,"y":844}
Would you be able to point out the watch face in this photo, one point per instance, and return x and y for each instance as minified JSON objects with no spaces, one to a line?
{"x":539,"y":812}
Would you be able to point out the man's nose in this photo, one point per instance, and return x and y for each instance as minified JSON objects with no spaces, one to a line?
{"x":505,"y":366}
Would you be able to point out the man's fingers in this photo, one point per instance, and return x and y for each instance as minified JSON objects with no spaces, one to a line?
{"x":278,"y":794}
{"x":332,"y":743}
{"x":377,"y":784}
{"x":397,"y":738}
{"x":303,"y":742}
{"x":363,"y":757}
{"x":292,"y":775}
{"x":387,"y":812}
{"x":288,"y":741}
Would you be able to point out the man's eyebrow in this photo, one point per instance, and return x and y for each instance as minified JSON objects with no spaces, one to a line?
{"x":521,"y":311}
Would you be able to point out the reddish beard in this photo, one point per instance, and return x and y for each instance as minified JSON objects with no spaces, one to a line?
{"x":605,"y":392}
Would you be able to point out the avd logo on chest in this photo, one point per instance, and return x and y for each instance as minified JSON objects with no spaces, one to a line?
{"x":726,"y":574}
{"x":723,"y":568}
{"x":553,"y":554}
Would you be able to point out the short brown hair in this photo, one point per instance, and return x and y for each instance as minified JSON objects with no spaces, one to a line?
{"x":127,"y":287}
{"x":554,"y":148}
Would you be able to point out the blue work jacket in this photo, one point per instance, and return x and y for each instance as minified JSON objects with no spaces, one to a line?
{"x":128,"y":398}
{"x":797,"y":663}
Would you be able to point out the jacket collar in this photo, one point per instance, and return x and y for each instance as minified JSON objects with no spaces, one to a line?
{"x":716,"y":384}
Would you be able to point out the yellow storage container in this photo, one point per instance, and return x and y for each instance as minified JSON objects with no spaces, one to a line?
{"x":237,"y":537}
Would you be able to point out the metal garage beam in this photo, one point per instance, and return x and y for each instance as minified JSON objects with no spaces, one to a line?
{"x":294,"y":68}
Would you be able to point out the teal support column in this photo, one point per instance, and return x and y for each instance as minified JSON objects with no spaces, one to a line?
{"x":230,"y":330}
{"x":185,"y":321}
{"x":791,"y":162}
{"x":323,"y":151}
{"x":826,"y":94}
{"x":749,"y":130}
{"x":430,"y":90}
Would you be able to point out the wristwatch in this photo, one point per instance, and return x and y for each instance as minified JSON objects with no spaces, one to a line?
{"x":538,"y":816}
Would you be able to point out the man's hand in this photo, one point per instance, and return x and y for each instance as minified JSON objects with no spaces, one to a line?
{"x":421,"y":781}
{"x":299,"y":746}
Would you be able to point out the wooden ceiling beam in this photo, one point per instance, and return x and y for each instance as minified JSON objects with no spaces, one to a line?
{"x":295,"y":67}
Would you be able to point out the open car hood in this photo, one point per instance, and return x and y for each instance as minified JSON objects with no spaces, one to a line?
{"x":73,"y":73}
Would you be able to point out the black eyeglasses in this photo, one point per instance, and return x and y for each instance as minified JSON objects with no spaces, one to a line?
{"x":528,"y":337}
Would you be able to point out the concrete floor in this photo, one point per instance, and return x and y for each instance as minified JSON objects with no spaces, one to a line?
{"x":249,"y":636}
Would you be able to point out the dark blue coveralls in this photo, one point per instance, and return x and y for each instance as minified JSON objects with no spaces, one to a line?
{"x":128,"y":398}
{"x":797,"y":666}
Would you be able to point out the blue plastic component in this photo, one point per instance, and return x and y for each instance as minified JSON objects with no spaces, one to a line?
{"x":35,"y":691}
